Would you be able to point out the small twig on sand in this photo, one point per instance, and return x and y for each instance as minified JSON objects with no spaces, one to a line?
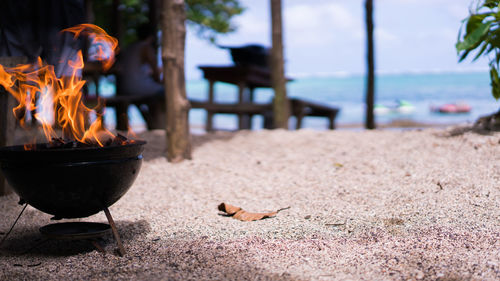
{"x":440,"y":187}
{"x":335,"y":224}
{"x":282,"y":209}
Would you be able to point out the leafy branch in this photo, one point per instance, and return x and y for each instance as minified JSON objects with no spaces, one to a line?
{"x":480,"y":32}
{"x":208,"y":17}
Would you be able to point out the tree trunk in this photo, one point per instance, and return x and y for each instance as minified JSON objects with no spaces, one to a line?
{"x":281,"y":105}
{"x":370,"y":60}
{"x":173,"y":43}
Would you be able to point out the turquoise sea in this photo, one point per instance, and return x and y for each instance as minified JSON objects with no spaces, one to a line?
{"x":421,"y":90}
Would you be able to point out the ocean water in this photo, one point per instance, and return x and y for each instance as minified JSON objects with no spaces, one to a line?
{"x":421,"y":90}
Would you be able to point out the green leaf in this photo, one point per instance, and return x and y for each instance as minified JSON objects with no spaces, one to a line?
{"x":471,"y":40}
{"x":495,"y":82}
{"x":463,"y":56}
{"x":493,"y":74}
{"x":481,"y":51}
{"x":495,"y":90}
{"x":491,"y":3}
{"x":474,"y":22}
{"x":482,"y":32}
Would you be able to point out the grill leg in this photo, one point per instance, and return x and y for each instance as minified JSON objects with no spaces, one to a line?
{"x":97,"y":246}
{"x":121,"y":249}
{"x":10,"y":230}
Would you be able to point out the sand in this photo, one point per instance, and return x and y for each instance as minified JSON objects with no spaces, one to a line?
{"x":377,"y":205}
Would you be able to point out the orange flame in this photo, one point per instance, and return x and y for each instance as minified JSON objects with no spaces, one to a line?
{"x":59,"y":100}
{"x":105,"y":45}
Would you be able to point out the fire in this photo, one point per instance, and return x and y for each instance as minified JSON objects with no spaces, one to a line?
{"x":104,"y":45}
{"x":58,"y":100}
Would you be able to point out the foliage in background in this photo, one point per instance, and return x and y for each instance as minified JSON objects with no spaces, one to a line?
{"x":212,"y":17}
{"x":480,"y":32}
{"x":208,"y":17}
{"x":133,"y":14}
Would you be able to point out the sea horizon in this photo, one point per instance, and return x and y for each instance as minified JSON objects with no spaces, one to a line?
{"x":421,"y":89}
{"x":394,"y":72}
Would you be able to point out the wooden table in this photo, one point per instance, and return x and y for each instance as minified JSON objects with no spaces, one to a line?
{"x":247,"y":79}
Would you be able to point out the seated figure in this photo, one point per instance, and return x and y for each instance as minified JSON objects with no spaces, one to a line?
{"x":139,"y":76}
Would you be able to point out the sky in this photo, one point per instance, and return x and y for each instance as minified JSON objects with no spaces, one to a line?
{"x":327,"y":37}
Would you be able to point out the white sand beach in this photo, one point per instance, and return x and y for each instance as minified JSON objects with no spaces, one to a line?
{"x":364,"y":205}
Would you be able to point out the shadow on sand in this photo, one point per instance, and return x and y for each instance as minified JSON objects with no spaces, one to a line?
{"x":28,"y":240}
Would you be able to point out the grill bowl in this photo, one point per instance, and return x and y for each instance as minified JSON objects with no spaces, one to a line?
{"x":71,"y":182}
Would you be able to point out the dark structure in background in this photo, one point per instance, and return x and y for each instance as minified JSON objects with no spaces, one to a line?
{"x":31,"y":29}
{"x":247,"y":55}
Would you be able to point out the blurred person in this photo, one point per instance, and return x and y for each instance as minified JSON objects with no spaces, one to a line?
{"x":140,"y":76}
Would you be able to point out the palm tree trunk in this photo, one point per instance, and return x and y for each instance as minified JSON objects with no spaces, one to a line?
{"x":281,"y":105}
{"x":370,"y":59}
{"x":173,"y":44}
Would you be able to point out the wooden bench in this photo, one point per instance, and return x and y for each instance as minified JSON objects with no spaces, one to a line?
{"x":298,"y":107}
{"x":121,"y":105}
{"x":246,"y":79}
{"x":250,"y":78}
{"x":93,"y":73}
{"x":240,"y":109}
{"x":301,"y":108}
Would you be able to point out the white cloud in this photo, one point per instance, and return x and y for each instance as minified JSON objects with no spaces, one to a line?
{"x":302,"y":18}
{"x":320,"y":24}
{"x":251,"y":24}
{"x":307,"y":17}
{"x":384,"y":35}
{"x":457,"y":11}
{"x":340,"y":16}
{"x":329,"y":35}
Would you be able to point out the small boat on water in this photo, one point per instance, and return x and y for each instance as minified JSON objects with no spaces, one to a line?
{"x":452,"y":108}
{"x":400,"y":107}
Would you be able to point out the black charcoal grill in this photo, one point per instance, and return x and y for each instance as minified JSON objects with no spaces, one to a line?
{"x":72,"y":182}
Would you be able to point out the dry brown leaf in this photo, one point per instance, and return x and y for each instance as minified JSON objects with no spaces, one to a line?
{"x":228,"y":209}
{"x":242,"y":215}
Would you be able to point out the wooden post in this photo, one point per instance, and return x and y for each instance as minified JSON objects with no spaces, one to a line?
{"x":244,"y":120}
{"x":7,"y":120}
{"x":173,"y":45}
{"x":281,"y":105}
{"x":370,"y":64}
{"x":210,"y":114}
